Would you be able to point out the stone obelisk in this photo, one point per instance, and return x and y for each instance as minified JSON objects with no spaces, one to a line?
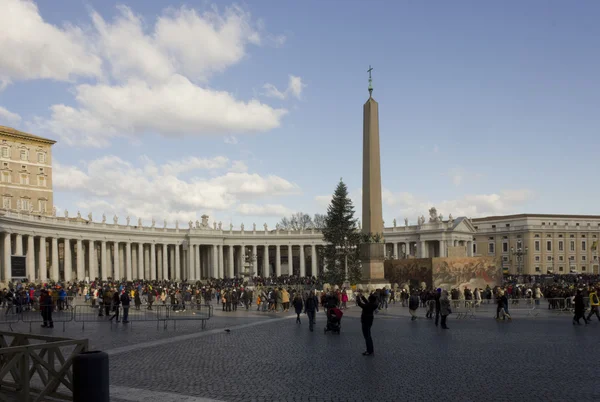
{"x":372,"y":254}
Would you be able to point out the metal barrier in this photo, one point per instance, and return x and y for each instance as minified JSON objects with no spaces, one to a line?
{"x":30,"y":360}
{"x":192,"y":312}
{"x":30,"y":317}
{"x":560,"y":305}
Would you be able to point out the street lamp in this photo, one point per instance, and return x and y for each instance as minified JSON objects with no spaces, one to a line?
{"x":519,"y":253}
{"x":345,"y":248}
{"x":249,"y":260}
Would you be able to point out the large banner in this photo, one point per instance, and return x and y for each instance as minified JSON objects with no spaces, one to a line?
{"x":17,"y":266}
{"x":471,"y":272}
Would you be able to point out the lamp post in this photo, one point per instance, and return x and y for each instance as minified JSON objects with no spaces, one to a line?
{"x":249,"y":259}
{"x":345,"y":248}
{"x":519,"y":253}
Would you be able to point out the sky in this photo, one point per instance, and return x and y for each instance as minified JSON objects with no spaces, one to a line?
{"x":251,"y":111}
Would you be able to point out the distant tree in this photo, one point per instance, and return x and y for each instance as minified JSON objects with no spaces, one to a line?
{"x":340,"y":229}
{"x":319,"y":221}
{"x":298,"y":221}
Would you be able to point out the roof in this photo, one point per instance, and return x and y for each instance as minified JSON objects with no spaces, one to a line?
{"x":520,"y":216}
{"x":23,"y":135}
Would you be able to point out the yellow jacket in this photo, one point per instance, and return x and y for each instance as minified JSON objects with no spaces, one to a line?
{"x":594,"y":299}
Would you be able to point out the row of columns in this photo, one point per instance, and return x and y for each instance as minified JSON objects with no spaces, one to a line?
{"x":423,"y":249}
{"x":78,"y":259}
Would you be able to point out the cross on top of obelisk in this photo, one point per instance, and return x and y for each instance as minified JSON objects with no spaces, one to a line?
{"x":370,"y":80}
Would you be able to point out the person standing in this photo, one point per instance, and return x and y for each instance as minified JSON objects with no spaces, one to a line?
{"x":46,"y":308}
{"x":594,"y":304}
{"x":311,"y":305}
{"x":413,"y":305}
{"x":125,"y":301}
{"x":579,"y":309}
{"x":298,"y":305}
{"x":444,"y":308}
{"x":438,"y":295}
{"x":366,"y":319}
{"x":116,"y":301}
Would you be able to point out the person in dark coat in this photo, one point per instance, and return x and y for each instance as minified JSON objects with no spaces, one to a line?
{"x":298,"y":305}
{"x":136,"y":299}
{"x":437,"y":296}
{"x":125,"y":301}
{"x":116,"y":302}
{"x":310,"y":307}
{"x":46,"y":308}
{"x":366,"y":319}
{"x":579,"y":309}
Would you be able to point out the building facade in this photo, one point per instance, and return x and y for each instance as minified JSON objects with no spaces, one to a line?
{"x":25,"y":171}
{"x":535,"y":244}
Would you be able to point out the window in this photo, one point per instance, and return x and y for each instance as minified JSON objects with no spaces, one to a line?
{"x":583,"y":268}
{"x":491,"y":248}
{"x":6,"y":204}
{"x":560,"y":236}
{"x":41,"y":157}
{"x":560,"y":269}
{"x":42,"y":205}
{"x":560,"y":246}
{"x":490,"y":238}
{"x":549,"y":245}
{"x":549,"y":258}
{"x":5,"y":152}
{"x":537,"y":258}
{"x":508,"y":225}
{"x":571,"y":258}
{"x":537,"y":269}
{"x":583,"y":258}
{"x":24,"y":204}
{"x":474,"y":248}
{"x":572,"y":245}
{"x":505,"y":247}
{"x":577,"y":224}
{"x":5,"y":164}
{"x":572,"y":236}
{"x":583,"y":245}
{"x":477,"y":227}
{"x":25,"y":179}
{"x":505,"y":259}
{"x":549,"y":235}
{"x":6,"y":177}
{"x":561,"y":258}
{"x":537,"y":235}
{"x":41,"y":181}
{"x":583,"y":236}
{"x":543,"y":223}
{"x":537,"y":245}
{"x":24,"y":155}
{"x":493,"y":226}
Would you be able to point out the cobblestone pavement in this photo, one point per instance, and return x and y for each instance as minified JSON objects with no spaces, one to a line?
{"x":271,"y":358}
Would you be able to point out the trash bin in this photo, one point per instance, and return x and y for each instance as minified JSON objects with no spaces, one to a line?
{"x":90,"y":377}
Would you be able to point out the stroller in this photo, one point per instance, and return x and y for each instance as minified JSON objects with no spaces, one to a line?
{"x":334,"y":319}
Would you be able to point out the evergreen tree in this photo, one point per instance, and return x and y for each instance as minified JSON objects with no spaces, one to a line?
{"x":340,"y":230}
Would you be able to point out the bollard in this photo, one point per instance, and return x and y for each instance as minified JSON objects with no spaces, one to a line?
{"x":90,"y":377}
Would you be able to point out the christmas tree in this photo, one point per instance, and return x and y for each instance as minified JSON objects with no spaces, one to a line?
{"x":341,"y":234}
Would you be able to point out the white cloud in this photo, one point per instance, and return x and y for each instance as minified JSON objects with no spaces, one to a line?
{"x":294,"y":89}
{"x":8,"y":116}
{"x":113,"y":185}
{"x":272,"y":210}
{"x":238,"y":167}
{"x":148,"y":73}
{"x":34,"y":49}
{"x":470,"y":205}
{"x":174,"y":168}
{"x":232,"y":140}
{"x":323,"y":200}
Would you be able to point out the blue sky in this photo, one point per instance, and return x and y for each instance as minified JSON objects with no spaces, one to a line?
{"x":163,"y":111}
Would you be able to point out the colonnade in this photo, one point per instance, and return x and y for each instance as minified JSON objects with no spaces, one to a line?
{"x":76,"y":259}
{"x":426,"y":248}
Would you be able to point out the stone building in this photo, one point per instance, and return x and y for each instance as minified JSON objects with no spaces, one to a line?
{"x":26,"y":171}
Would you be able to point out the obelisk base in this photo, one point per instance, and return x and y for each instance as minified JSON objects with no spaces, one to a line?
{"x":373,"y":273}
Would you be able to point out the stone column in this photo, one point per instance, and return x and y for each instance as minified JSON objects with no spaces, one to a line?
{"x":190,"y":262}
{"x":221,"y":262}
{"x":80,"y":267}
{"x":255,"y":262}
{"x":54,"y":274}
{"x":442,"y":248}
{"x":266,"y":269}
{"x":19,"y":244}
{"x":140,"y":255}
{"x":152,"y":261}
{"x":278,"y":260}
{"x":67,"y":259}
{"x":469,"y":249}
{"x":159,"y":266}
{"x":92,"y":262}
{"x":177,"y":263}
{"x":147,"y":263}
{"x":122,"y":261}
{"x":197,"y":274}
{"x":290,"y":260}
{"x":396,"y":256}
{"x":215,"y":261}
{"x":313,"y":259}
{"x":7,"y":260}
{"x":171,"y":261}
{"x":165,"y":261}
{"x":30,"y":259}
{"x":302,"y":261}
{"x":43,"y":273}
{"x":230,"y":262}
{"x":128,"y":268}
{"x":422,"y":250}
{"x":117,"y":267}
{"x":103,"y":260}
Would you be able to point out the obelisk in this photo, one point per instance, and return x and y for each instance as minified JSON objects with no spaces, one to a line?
{"x":372,"y":254}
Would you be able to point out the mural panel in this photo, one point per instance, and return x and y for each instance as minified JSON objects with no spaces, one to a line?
{"x":412,"y":271}
{"x":468,"y":272}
